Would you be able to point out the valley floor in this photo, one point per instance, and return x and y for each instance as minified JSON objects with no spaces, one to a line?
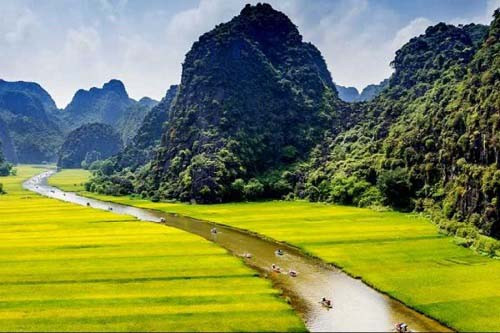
{"x":400,"y":254}
{"x":71,"y":268}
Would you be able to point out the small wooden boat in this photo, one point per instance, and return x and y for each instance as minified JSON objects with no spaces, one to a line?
{"x":247,"y":255}
{"x":275,"y":268}
{"x":279,"y":252}
{"x":292,"y":273}
{"x":213,"y":230}
{"x":401,"y":328}
{"x":326,"y":303}
{"x":162,"y":220}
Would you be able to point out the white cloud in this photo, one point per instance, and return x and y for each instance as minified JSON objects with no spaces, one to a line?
{"x":112,"y":9}
{"x":414,"y":28}
{"x":16,"y":23}
{"x":353,"y":38}
{"x":65,"y":49}
{"x":186,"y":26}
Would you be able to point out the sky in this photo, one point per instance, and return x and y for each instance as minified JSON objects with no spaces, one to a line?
{"x":66,"y":45}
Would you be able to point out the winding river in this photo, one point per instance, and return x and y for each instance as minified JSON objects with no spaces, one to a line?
{"x":356,"y":307}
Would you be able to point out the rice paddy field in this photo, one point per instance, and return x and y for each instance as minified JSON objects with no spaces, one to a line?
{"x":71,"y":268}
{"x":400,"y":254}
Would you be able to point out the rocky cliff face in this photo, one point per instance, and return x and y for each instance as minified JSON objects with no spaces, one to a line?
{"x":108,"y":105}
{"x":33,"y":89}
{"x":105,"y":105}
{"x":253,"y":96}
{"x":87,"y":144}
{"x":28,"y":128}
{"x":430,"y":139}
{"x":140,"y":150}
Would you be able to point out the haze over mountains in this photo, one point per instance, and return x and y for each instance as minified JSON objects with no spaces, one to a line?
{"x":351,"y":94}
{"x":257,"y":115}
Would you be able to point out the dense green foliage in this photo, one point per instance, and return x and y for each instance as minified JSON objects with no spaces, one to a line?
{"x":114,"y":175}
{"x":132,"y":118}
{"x":109,"y":105}
{"x":88,"y":144}
{"x":253,"y":97}
{"x":430,"y":139}
{"x":8,"y":150}
{"x":399,"y":253}
{"x":32,"y":128}
{"x":28,"y":129}
{"x":140,"y":149}
{"x":69,"y":268}
{"x":5,"y":167}
{"x":257,"y":115}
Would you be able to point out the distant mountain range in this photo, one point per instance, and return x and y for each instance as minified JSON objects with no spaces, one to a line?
{"x":351,"y":94}
{"x":32,"y":129}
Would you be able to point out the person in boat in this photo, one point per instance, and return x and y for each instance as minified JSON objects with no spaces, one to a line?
{"x":279,"y":252}
{"x":88,"y":204}
{"x":402,"y":327}
{"x":110,"y":208}
{"x":162,"y":219}
{"x":292,"y":273}
{"x":213,"y":230}
{"x":326,"y":302}
{"x":275,"y":268}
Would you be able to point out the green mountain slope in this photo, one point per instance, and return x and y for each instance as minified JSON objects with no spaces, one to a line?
{"x":140,"y":149}
{"x":253,"y":96}
{"x":430,"y":139}
{"x":109,"y":105}
{"x":87,"y":144}
{"x":30,"y":131}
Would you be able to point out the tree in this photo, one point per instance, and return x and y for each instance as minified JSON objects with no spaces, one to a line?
{"x":395,"y":185}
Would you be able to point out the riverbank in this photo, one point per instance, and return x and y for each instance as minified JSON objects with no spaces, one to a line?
{"x":71,"y":268}
{"x":400,"y":254}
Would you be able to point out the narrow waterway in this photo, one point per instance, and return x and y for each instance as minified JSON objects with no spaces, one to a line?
{"x":356,"y":307}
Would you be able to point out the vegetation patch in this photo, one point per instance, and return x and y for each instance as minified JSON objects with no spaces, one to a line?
{"x":401,"y":254}
{"x":65,"y":268}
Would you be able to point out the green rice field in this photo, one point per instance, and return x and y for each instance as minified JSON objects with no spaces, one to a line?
{"x":71,"y":268}
{"x":400,"y":254}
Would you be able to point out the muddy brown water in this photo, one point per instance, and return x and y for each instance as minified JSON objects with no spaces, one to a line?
{"x":356,"y":306}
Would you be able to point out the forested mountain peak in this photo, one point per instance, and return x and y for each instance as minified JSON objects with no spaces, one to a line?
{"x":252,"y":97}
{"x":257,"y":115}
{"x":428,"y":141}
{"x":109,"y":105}
{"x":442,"y":46}
{"x":28,"y":126}
{"x":140,"y":150}
{"x":115,"y":86}
{"x":30,"y":88}
{"x":84,"y":98}
{"x":88,"y":144}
